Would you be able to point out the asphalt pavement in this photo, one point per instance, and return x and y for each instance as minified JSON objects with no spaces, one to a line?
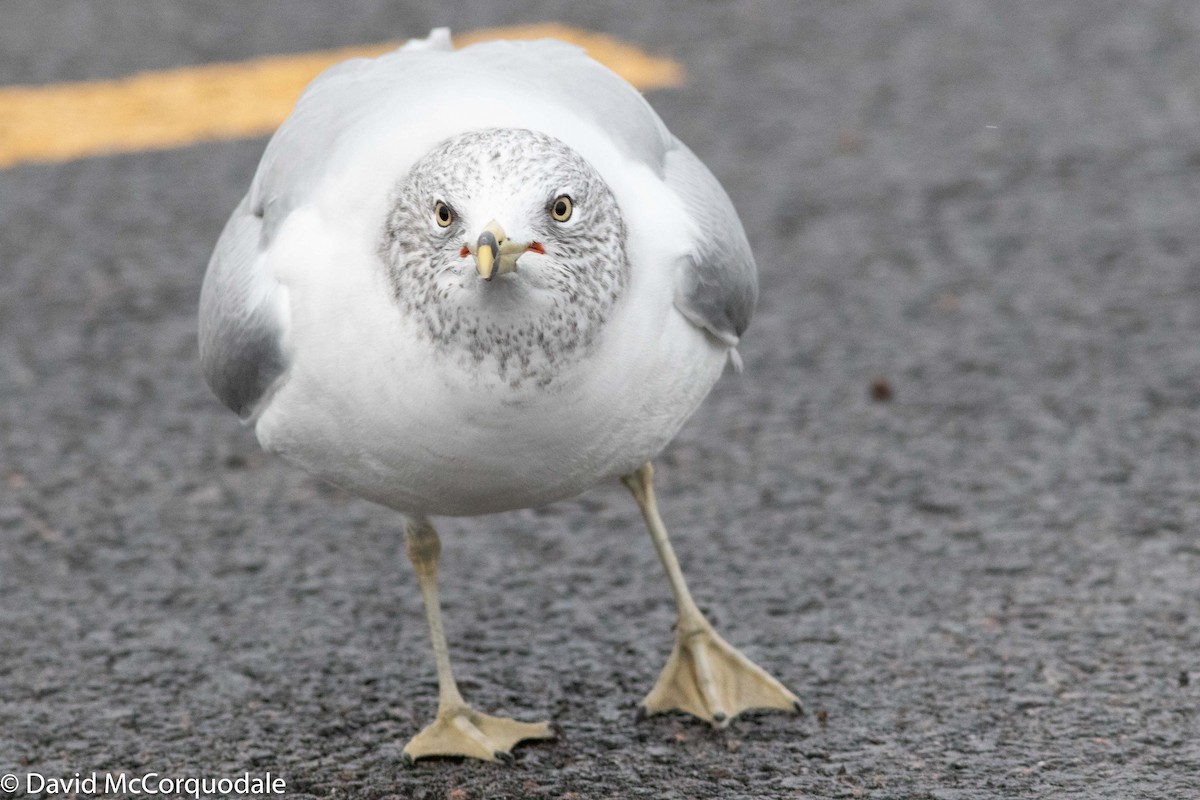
{"x":953,"y":501}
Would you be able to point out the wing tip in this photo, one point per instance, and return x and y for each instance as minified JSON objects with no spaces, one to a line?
{"x":735,"y":361}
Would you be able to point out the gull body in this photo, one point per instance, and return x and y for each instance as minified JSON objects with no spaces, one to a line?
{"x":470,"y":281}
{"x":359,"y":398}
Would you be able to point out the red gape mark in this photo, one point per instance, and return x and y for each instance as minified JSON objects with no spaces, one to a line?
{"x":536,"y":247}
{"x":464,"y":252}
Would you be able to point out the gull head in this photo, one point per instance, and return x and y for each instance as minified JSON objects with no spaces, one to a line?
{"x":506,"y":244}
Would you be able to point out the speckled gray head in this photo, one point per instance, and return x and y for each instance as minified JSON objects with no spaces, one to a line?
{"x":508,"y":250}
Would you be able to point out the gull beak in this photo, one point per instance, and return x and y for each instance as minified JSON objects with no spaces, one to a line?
{"x":487,"y":249}
{"x":495,"y":254}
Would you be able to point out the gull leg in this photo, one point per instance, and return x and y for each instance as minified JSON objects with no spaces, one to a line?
{"x":458,"y":729}
{"x":705,"y":675}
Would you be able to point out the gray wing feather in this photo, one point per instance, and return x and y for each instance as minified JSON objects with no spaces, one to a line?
{"x":241,"y":325}
{"x":718,"y":282}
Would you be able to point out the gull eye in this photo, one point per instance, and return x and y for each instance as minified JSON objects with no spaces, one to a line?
{"x":443,"y":214}
{"x":561,"y":208}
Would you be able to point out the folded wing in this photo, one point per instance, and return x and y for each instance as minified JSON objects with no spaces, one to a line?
{"x":717,"y":282}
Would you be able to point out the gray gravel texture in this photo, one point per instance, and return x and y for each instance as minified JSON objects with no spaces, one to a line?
{"x":984,"y":586}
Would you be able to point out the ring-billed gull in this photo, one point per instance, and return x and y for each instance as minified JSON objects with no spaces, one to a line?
{"x":470,"y":281}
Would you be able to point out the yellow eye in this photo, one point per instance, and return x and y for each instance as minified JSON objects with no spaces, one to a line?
{"x":443,"y":214}
{"x":561,"y":208}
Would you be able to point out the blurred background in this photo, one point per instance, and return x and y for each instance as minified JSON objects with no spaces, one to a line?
{"x":952,"y":502}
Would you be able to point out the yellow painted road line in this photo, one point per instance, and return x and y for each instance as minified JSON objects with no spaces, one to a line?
{"x":178,"y":107}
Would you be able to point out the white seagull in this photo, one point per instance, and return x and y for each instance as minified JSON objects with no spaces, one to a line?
{"x":470,"y":281}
